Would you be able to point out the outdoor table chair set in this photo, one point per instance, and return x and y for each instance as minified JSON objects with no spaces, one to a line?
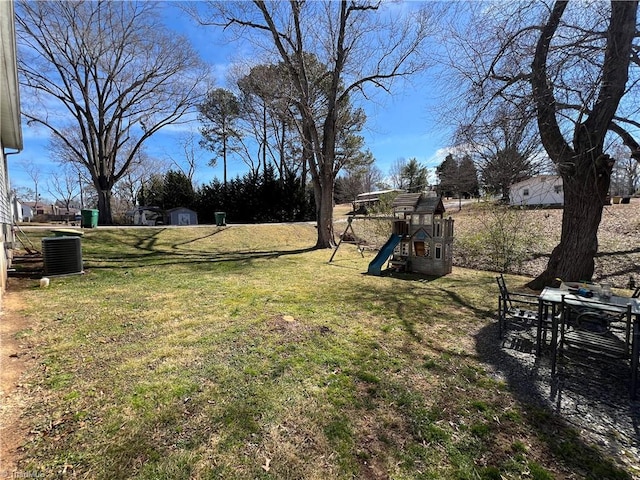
{"x":595,"y":325}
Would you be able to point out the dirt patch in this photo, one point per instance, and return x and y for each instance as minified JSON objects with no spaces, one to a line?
{"x":14,"y":360}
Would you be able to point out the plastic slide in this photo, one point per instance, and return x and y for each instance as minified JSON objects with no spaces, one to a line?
{"x":375,"y":267}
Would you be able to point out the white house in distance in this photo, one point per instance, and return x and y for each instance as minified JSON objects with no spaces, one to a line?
{"x":541,"y":190}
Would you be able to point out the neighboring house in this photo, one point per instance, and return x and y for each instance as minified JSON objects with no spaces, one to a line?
{"x":372,"y":198}
{"x":22,"y":212}
{"x":10,"y":129}
{"x":182,"y":216}
{"x":541,"y":190}
{"x":17,"y":209}
{"x":47,"y":212}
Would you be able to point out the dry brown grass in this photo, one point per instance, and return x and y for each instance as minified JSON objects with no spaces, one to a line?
{"x":618,"y":236}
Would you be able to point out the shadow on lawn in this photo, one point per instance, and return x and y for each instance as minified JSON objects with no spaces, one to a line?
{"x":146,"y":253}
{"x":592,"y":399}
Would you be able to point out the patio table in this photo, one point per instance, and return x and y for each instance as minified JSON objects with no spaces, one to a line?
{"x":553,"y":298}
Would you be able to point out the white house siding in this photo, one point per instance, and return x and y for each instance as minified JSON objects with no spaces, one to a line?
{"x":10,"y":129}
{"x":543,"y":190}
{"x":6,"y":222}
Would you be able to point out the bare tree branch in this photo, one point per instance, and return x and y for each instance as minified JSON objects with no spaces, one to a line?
{"x":113,"y":72}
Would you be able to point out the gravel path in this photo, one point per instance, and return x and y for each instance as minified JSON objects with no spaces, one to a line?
{"x":594,"y":400}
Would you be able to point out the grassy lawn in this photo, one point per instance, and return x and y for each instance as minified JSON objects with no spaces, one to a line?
{"x":240,"y":353}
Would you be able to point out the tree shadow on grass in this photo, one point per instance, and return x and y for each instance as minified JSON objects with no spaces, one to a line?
{"x":592,"y":400}
{"x":130,"y":261}
{"x":586,"y":418}
{"x":146,"y":253}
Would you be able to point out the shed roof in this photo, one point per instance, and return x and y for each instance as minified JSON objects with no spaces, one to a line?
{"x":180,"y":209}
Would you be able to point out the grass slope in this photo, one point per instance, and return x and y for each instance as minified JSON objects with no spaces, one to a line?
{"x":240,"y":353}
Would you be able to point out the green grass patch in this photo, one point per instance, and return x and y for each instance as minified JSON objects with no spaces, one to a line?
{"x":240,"y":353}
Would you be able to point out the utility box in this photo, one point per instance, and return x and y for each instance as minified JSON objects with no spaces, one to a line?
{"x":62,"y":255}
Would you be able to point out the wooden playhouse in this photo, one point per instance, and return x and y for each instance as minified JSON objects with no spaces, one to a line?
{"x":422,"y":239}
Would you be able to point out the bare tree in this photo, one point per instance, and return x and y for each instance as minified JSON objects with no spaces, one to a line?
{"x":127,"y":190}
{"x":190,"y":160}
{"x":104,"y":77}
{"x":360,"y":43}
{"x":581,"y":160}
{"x":572,"y":61}
{"x":625,"y":178}
{"x":64,"y":185}
{"x":358,"y":178}
{"x":396,"y":175}
{"x":34,"y":173}
{"x":505,"y":146}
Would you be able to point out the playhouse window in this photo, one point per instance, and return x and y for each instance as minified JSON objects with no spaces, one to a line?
{"x":525,"y":192}
{"x":421,"y":249}
{"x":437,"y":227}
{"x":438,"y":251}
{"x":557,"y":188}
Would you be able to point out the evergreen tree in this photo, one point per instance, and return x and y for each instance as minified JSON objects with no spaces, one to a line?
{"x":178,"y":191}
{"x":447,"y":173}
{"x":414,"y":176}
{"x":219,"y":114}
{"x":468,"y":177}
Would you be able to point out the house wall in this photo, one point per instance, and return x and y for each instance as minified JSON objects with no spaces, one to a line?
{"x":6,"y":222}
{"x":542,"y":190}
{"x":10,"y":129}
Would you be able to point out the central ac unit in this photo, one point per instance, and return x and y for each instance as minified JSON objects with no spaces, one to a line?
{"x":62,"y":255}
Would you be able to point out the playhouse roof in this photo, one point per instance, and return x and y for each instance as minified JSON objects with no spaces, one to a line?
{"x":418,"y":202}
{"x":406,"y":200}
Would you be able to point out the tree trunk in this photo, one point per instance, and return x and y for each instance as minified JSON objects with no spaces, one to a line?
{"x":324,"y":212}
{"x":573,"y":258}
{"x":585,"y":171}
{"x":224,"y":161}
{"x":104,"y":207}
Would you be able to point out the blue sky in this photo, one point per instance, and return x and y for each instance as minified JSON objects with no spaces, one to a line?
{"x":399,"y":125}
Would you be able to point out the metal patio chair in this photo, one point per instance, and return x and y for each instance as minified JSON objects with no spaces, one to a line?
{"x":515,"y":308}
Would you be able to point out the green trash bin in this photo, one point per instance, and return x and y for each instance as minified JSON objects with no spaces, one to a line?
{"x":220,"y":219}
{"x":89,"y":218}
